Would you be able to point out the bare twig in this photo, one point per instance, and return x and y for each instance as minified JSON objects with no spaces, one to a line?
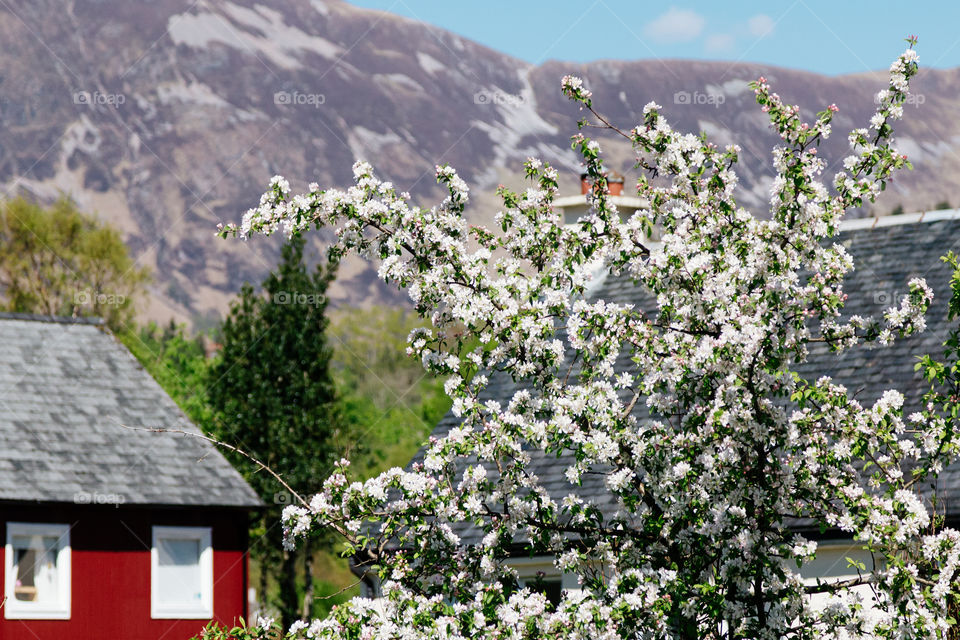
{"x":334,"y":595}
{"x":219,"y":443}
{"x":831,"y":587}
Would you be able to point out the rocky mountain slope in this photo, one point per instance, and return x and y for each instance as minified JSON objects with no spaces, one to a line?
{"x":167,"y":117}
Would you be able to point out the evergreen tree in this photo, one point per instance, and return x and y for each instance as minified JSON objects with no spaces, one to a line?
{"x":272,"y":395}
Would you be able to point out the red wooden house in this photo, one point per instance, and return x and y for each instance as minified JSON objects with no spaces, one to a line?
{"x":107,"y":531}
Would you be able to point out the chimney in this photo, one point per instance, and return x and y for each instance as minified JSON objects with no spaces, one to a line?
{"x":614,"y":183}
{"x":210,"y":347}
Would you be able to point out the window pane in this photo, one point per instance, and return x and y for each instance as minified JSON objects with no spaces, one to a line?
{"x":35,"y":559}
{"x":551,"y":588}
{"x":178,"y":571}
{"x":831,"y":562}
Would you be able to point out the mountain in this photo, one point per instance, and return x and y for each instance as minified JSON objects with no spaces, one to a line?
{"x":167,"y":117}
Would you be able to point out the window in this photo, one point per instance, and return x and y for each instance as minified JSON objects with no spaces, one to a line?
{"x":830,"y":561}
{"x":830,"y":564}
{"x":37,"y":571}
{"x":181,"y":573}
{"x":552,"y":588}
{"x":539,"y":574}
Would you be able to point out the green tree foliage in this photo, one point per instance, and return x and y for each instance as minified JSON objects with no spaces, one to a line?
{"x":59,"y":261}
{"x":178,"y":362}
{"x":272,"y":395}
{"x":386,"y":393}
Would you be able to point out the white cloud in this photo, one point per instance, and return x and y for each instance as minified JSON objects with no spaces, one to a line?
{"x":719,"y":43}
{"x":676,"y":25}
{"x":760,"y":25}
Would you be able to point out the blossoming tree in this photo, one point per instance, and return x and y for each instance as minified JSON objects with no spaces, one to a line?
{"x":737,"y":442}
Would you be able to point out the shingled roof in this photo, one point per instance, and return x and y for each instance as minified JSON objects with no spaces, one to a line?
{"x":71,"y":399}
{"x":887,"y":253}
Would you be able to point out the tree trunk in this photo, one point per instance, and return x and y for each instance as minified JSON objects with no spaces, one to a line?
{"x":307,"y":581}
{"x":262,"y":590}
{"x":263,"y":583}
{"x":289,"y":608}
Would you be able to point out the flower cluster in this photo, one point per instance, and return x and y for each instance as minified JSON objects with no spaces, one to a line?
{"x":689,"y":406}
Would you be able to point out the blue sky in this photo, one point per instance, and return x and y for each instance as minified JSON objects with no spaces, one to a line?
{"x":831,"y":37}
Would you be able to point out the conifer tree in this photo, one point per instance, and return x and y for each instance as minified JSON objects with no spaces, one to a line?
{"x":273,"y":396}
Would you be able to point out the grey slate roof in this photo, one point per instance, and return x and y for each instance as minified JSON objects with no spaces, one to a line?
{"x":887,"y":253}
{"x":68,"y":393}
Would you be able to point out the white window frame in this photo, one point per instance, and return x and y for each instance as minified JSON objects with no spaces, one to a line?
{"x":529,"y":568}
{"x":14,"y":609}
{"x":165,"y":611}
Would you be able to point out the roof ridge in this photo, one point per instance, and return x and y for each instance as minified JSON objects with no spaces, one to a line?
{"x":38,"y":317}
{"x":900,"y":219}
